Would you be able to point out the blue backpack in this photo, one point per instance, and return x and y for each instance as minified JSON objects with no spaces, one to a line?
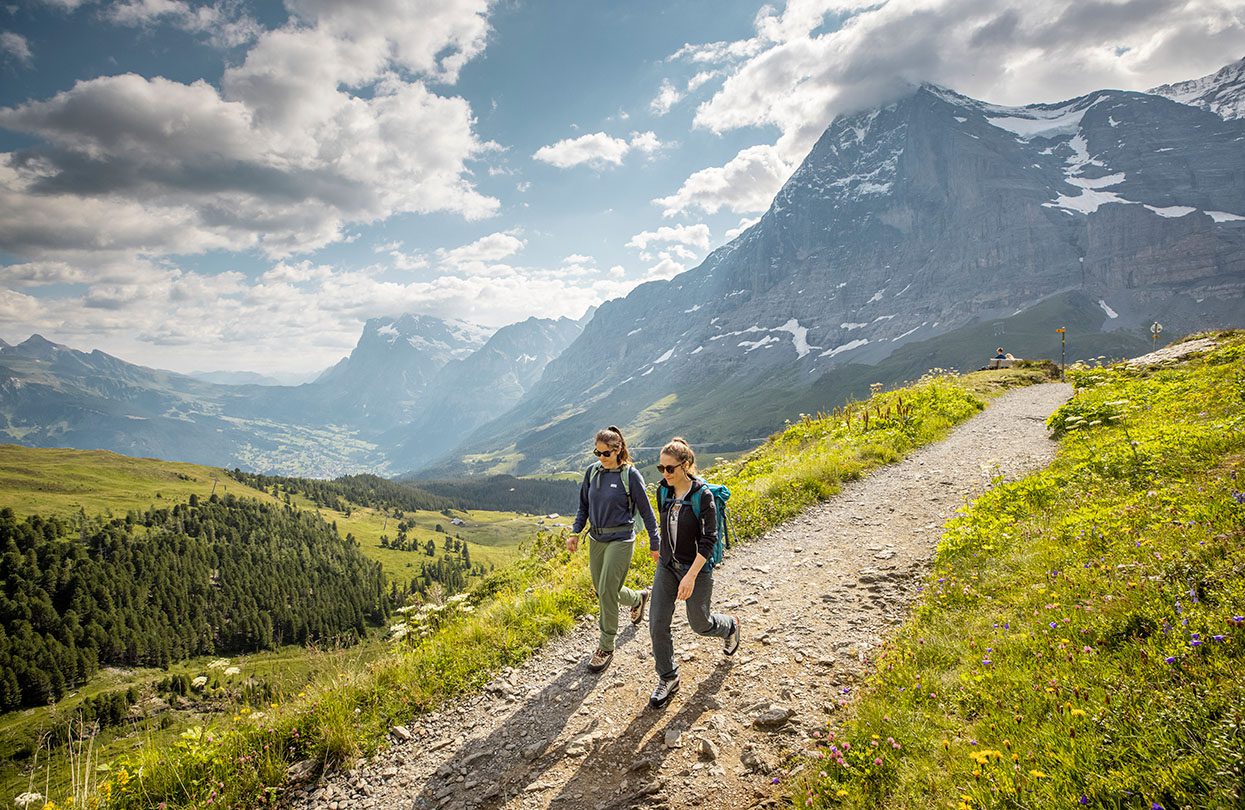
{"x":721,"y":494}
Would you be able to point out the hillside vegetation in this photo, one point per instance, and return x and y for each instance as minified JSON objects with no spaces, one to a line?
{"x":1080,"y":641}
{"x":441,"y":651}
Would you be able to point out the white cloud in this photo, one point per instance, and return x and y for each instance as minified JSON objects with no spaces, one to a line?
{"x":327,"y":121}
{"x":667,"y":96}
{"x":15,"y":46}
{"x":701,"y":78}
{"x":596,"y":149}
{"x":744,"y":224}
{"x":491,"y":248}
{"x":694,"y":235}
{"x":222,"y":21}
{"x":746,"y":184}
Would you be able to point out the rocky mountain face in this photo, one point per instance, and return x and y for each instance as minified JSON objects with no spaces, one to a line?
{"x":918,"y":232}
{"x":356,"y":416}
{"x":475,"y":389}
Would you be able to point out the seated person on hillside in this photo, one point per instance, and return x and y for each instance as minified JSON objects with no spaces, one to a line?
{"x":998,"y":353}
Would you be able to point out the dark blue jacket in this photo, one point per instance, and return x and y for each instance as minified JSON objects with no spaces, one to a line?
{"x":603,"y":503}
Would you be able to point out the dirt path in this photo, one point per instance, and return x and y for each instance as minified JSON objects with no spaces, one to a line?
{"x":814,"y":597}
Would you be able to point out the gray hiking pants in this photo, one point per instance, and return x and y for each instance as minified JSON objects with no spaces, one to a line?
{"x":661,"y":613}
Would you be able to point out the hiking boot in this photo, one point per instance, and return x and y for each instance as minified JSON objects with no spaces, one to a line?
{"x":664,"y":691}
{"x":600,"y":660}
{"x":732,"y":640}
{"x":637,"y":612}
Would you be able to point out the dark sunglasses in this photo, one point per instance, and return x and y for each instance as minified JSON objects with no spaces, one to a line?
{"x":602,"y":453}
{"x":661,"y":468}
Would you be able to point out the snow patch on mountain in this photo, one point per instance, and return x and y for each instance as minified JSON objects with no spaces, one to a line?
{"x":799,"y":337}
{"x":846,"y":347}
{"x":1173,"y":211}
{"x":1224,"y":216}
{"x":1111,"y":313}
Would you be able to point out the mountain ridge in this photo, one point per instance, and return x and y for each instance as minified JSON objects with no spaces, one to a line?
{"x":973,"y":211}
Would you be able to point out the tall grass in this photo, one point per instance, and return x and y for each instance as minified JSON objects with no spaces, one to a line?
{"x":1079,"y":642}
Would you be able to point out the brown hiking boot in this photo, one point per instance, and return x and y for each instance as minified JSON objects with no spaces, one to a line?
{"x":637,"y":612}
{"x":600,"y":660}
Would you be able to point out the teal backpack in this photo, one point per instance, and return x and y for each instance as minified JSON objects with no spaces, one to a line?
{"x":721,"y":494}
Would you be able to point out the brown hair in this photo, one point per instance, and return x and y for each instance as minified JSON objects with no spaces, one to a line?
{"x":612,"y":438}
{"x":678,"y":449}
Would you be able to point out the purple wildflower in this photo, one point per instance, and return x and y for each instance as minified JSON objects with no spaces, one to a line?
{"x":1171,"y":659}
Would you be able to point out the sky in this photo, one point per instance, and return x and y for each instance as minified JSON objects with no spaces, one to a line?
{"x":239,"y":185}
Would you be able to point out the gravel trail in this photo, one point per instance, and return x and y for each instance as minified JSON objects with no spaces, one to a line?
{"x":814,"y":596}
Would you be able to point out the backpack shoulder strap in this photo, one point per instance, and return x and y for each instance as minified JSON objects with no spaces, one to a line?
{"x":594,"y":470}
{"x":625,"y":475}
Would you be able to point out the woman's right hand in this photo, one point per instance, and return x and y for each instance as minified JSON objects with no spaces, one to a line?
{"x":656,"y":555}
{"x":572,"y":543}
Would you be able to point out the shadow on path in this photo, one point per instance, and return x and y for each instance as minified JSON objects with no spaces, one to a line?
{"x":544,"y":715}
{"x":629,"y":758}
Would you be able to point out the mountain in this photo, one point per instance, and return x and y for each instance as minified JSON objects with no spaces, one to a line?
{"x":1223,"y":93}
{"x":920,"y":223}
{"x":470,"y":391}
{"x":447,"y":377}
{"x":384,"y":379}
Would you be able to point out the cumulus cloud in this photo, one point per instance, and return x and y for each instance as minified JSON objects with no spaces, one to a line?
{"x":667,"y":96}
{"x":596,"y":149}
{"x":814,"y":59}
{"x":15,"y":47}
{"x":327,"y":121}
{"x":747,"y":183}
{"x":694,"y":235}
{"x":223,"y":21}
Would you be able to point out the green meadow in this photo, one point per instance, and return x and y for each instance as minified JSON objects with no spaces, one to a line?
{"x":1081,"y":640}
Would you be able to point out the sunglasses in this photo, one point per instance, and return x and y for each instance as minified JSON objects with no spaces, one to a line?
{"x":661,"y":468}
{"x":602,"y":453}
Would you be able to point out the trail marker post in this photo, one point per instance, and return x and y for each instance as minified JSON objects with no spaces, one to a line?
{"x":1063,"y":350}
{"x":1155,"y":329}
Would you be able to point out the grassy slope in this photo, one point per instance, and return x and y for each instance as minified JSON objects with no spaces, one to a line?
{"x":1081,"y":639}
{"x":452,"y":651}
{"x":62,"y":482}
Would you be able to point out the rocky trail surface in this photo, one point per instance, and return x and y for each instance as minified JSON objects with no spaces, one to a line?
{"x":814,"y":597}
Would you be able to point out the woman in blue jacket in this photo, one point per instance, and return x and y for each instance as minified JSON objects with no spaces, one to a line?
{"x":611,"y":496}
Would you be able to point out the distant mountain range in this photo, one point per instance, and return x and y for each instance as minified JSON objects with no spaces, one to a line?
{"x":921,"y":233}
{"x":403,"y":370}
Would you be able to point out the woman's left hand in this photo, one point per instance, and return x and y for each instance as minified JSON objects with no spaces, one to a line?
{"x":686,"y":586}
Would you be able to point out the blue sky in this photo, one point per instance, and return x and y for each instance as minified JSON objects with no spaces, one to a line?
{"x":239,"y":185}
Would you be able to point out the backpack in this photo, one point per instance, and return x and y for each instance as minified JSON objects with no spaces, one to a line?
{"x":721,"y":494}
{"x":594,"y":478}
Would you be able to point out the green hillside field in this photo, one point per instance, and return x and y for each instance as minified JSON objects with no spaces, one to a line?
{"x":62,"y":482}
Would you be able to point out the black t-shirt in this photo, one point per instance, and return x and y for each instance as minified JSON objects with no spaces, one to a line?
{"x":682,"y":535}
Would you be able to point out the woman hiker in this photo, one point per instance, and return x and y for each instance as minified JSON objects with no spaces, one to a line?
{"x":610,"y":497}
{"x":686,"y":545}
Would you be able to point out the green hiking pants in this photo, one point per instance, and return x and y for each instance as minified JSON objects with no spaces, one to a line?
{"x":609,"y":563}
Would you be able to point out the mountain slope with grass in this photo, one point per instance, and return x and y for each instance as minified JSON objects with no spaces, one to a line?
{"x":1082,"y":639}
